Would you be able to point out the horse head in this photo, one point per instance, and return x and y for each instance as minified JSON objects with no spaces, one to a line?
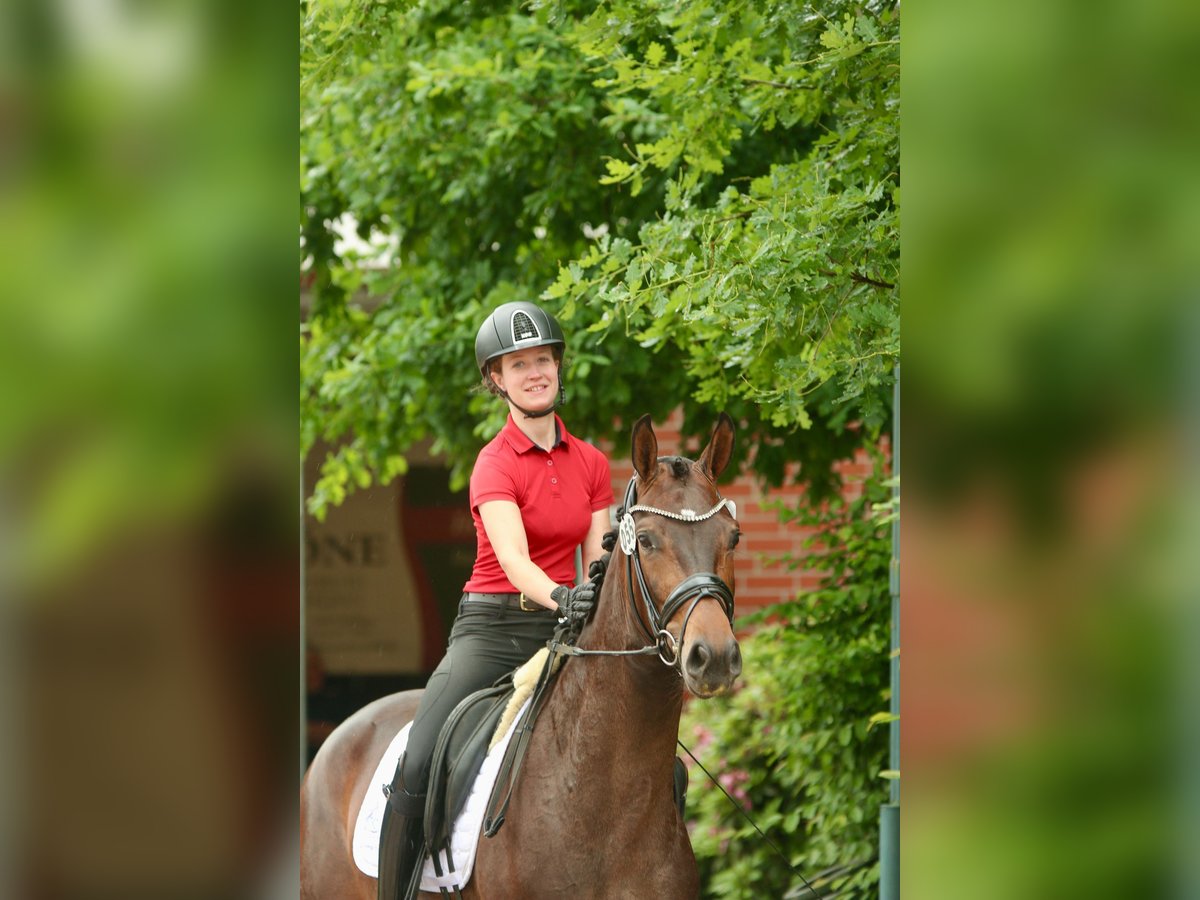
{"x":678,"y":536}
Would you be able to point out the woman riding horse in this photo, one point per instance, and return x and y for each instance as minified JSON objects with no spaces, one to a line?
{"x":592,"y":814}
{"x":537,"y":493}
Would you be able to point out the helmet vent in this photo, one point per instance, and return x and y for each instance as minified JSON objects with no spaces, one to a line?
{"x":523,"y":328}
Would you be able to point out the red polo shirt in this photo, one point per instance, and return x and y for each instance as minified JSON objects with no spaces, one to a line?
{"x":557,"y":491}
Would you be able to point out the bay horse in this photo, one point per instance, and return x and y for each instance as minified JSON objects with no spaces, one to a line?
{"x":593,"y":812}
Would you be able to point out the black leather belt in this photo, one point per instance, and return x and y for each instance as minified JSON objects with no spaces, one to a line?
{"x":513,"y":601}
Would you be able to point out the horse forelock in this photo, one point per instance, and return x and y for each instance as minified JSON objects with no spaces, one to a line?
{"x":675,"y":488}
{"x":681,"y":468}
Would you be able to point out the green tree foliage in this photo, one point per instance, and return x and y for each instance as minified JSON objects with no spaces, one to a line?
{"x":705,"y":194}
{"x":798,"y":746}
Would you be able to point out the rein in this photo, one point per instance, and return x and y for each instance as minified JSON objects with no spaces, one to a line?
{"x":746,"y":816}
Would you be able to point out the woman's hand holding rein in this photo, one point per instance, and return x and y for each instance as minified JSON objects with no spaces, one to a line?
{"x":575,"y":604}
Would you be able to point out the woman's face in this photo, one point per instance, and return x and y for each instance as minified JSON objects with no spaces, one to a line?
{"x":529,"y":377}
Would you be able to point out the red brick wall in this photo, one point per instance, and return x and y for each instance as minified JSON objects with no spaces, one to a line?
{"x":760,"y":580}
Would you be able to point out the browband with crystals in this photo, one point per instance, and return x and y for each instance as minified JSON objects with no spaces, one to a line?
{"x":688,"y":515}
{"x":626,"y":530}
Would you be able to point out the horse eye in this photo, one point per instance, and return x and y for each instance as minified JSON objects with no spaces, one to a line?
{"x":734,"y":538}
{"x":644,"y":541}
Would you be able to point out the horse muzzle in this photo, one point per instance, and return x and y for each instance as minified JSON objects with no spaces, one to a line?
{"x":710,"y":667}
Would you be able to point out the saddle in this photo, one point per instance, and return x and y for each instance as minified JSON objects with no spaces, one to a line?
{"x":457,"y":756}
{"x":464,"y":742}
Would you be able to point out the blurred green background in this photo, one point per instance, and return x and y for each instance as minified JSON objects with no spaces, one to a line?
{"x":148,"y":462}
{"x":1049,"y":419}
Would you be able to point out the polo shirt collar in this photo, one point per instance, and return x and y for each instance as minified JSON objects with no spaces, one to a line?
{"x":520,"y":442}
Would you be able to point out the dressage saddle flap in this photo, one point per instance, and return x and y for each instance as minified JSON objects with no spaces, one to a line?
{"x":458,"y":756}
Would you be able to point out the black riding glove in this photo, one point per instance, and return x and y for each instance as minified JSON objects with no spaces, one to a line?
{"x":575,"y":604}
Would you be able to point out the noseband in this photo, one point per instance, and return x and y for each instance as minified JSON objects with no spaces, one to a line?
{"x":690,"y":591}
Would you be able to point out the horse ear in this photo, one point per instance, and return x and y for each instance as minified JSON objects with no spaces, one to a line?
{"x":717,"y":454}
{"x":645,"y":449}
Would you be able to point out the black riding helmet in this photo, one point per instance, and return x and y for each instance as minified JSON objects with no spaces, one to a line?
{"x":518,"y":326}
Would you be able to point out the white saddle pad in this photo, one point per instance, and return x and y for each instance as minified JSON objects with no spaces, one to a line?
{"x":464,"y":835}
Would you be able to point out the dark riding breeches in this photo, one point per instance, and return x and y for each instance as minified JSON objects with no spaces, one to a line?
{"x":486,"y":642}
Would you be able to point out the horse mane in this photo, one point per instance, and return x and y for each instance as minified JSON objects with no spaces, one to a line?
{"x":599,"y":566}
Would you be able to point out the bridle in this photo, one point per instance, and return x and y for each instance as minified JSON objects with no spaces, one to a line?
{"x":688,"y":592}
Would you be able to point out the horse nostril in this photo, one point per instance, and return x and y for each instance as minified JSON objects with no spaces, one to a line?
{"x":698,"y":658}
{"x":735,"y":661}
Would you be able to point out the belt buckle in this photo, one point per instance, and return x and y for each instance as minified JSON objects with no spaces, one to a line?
{"x":524,"y":608}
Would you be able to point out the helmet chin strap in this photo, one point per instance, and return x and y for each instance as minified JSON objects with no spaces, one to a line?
{"x":559,"y":401}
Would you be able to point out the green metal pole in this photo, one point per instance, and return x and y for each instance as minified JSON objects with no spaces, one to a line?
{"x":303,"y":642}
{"x":889,"y":813}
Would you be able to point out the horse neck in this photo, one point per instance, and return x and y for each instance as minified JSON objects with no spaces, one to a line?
{"x":619,"y":704}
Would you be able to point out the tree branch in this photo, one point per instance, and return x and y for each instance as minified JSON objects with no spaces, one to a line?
{"x":736,"y":215}
{"x":860,"y":279}
{"x":863,"y":279}
{"x":775,"y":84}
